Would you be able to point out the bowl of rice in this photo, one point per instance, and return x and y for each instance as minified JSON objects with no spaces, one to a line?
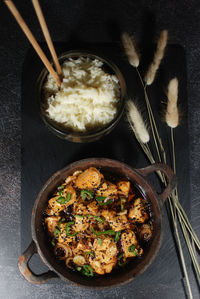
{"x":90,"y":101}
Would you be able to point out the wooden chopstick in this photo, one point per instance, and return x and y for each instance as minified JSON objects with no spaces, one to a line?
{"x":32,"y":40}
{"x":47,"y":36}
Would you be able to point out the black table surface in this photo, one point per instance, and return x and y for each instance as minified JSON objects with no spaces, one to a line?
{"x":94,"y":22}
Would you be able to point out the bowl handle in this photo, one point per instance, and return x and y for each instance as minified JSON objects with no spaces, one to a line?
{"x":26,"y":271}
{"x":171,"y":178}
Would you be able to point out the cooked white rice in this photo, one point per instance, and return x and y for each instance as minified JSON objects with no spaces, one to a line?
{"x":87,"y":98}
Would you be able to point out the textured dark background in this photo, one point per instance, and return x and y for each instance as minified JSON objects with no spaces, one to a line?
{"x":88,"y":21}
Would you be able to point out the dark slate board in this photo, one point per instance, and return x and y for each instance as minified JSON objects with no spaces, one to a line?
{"x":43,"y":153}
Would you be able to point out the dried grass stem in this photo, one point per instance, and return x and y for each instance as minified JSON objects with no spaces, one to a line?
{"x":130,"y":49}
{"x":172,"y":113}
{"x":135,"y":117}
{"x":158,"y":56}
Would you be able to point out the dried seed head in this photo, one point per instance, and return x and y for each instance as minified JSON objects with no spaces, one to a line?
{"x":158,"y":56}
{"x":137,"y":122}
{"x":130,"y":50}
{"x":172,"y":113}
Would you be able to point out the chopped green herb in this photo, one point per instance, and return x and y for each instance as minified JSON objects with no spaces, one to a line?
{"x":60,"y":193}
{"x":73,"y":235}
{"x":87,"y":270}
{"x":105,"y":232}
{"x":89,"y":253}
{"x":61,"y":187}
{"x":60,"y":190}
{"x":78,"y":268}
{"x":108,"y":232}
{"x":133,"y":250}
{"x":96,"y":233}
{"x":121,"y":260}
{"x":79,"y":216}
{"x":120,"y":256}
{"x":69,"y":224}
{"x":100,"y":198}
{"x":96,"y":218}
{"x":122,"y":201}
{"x":53,"y":242}
{"x":100,"y":241}
{"x":101,"y":201}
{"x":60,"y":222}
{"x":86,"y":194}
{"x":106,"y":203}
{"x":62,"y":200}
{"x":56,"y":232}
{"x":68,"y":197}
{"x":117,"y":236}
{"x":67,"y":229}
{"x":91,"y":216}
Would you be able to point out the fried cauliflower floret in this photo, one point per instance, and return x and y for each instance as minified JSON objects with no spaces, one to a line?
{"x":90,"y":209}
{"x":108,"y":215}
{"x":72,"y":178}
{"x":51,"y":223}
{"x":93,"y":208}
{"x":79,"y":260}
{"x":102,"y":269}
{"x":124,"y":186}
{"x":117,"y":223}
{"x":107,"y":189}
{"x":96,"y":265}
{"x":54,"y":207}
{"x":105,"y":256}
{"x":63,"y":238}
{"x":128,"y":239}
{"x":82,"y":246}
{"x":138,"y":212}
{"x":102,"y":188}
{"x":80,"y":209}
{"x":69,"y":190}
{"x":80,"y":224}
{"x":89,"y":179}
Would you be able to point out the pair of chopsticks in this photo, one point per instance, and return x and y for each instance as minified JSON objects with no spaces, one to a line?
{"x":56,"y":75}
